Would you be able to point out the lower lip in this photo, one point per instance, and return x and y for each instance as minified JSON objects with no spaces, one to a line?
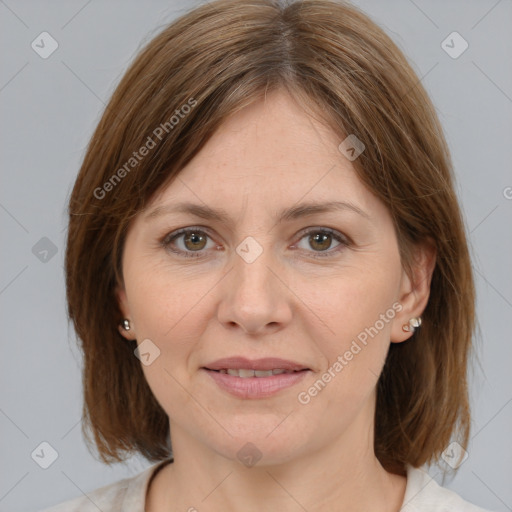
{"x":255,"y":387}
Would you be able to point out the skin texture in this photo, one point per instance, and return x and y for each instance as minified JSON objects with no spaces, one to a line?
{"x":287,"y":303}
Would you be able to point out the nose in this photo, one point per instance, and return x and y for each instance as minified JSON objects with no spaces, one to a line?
{"x":255,"y":295}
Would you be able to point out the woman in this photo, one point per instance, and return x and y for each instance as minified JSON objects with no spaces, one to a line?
{"x":267,"y":266}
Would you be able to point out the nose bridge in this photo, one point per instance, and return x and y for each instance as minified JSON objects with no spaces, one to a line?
{"x":254,"y":257}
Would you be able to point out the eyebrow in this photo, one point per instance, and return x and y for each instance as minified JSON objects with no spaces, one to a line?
{"x":220,"y":215}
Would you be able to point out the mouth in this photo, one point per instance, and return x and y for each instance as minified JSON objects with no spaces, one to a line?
{"x":248,"y":373}
{"x":249,"y":383}
{"x":260,"y":378}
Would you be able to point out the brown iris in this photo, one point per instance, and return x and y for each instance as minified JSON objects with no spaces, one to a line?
{"x":197,"y":240}
{"x":322,"y":240}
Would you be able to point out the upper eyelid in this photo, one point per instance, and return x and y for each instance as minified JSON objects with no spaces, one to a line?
{"x":182,"y":231}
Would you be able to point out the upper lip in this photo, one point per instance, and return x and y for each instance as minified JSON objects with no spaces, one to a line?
{"x":266,"y":363}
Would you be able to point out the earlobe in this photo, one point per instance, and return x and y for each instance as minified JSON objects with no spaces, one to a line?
{"x":125,"y":328}
{"x":414,"y":292}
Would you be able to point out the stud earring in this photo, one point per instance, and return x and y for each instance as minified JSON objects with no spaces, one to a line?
{"x":126,"y":324}
{"x":413,"y":324}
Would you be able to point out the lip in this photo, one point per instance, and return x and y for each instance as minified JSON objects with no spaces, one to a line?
{"x":255,"y":387}
{"x":266,"y":363}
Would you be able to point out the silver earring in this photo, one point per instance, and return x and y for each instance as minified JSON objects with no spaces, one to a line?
{"x":126,"y":324}
{"x":413,"y":324}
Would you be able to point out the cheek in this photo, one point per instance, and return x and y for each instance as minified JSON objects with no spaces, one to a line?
{"x":346,"y":304}
{"x":171,"y":309}
{"x":353,"y":356}
{"x":354,"y":314}
{"x":164,"y":301}
{"x":166,"y":312}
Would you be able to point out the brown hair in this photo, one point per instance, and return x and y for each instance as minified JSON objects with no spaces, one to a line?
{"x":217,"y":59}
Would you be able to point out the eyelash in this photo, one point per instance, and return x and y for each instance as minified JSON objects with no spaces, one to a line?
{"x":171,"y":237}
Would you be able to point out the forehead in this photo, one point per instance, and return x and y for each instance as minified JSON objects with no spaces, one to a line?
{"x":273,"y":134}
{"x":270,"y":151}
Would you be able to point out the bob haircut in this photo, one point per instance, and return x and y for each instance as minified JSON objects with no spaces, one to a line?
{"x":205,"y":66}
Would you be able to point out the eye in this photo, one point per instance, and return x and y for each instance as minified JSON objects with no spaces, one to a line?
{"x":320,"y":239}
{"x":193,"y":241}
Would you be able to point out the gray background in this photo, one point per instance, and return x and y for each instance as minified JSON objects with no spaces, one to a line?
{"x":49,"y":108}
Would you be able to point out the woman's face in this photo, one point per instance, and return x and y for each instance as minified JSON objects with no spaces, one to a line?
{"x":322,"y":290}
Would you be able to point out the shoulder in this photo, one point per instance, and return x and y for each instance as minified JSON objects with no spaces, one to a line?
{"x":128,"y":494}
{"x":107,"y":498}
{"x":424,"y":494}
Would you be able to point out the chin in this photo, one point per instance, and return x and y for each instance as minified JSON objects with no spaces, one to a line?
{"x":269,"y":444}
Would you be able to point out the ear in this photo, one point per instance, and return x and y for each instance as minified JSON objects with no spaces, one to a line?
{"x":414,"y":289}
{"x":122,"y":301}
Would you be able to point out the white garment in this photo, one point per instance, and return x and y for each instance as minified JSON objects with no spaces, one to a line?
{"x":422,"y":494}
